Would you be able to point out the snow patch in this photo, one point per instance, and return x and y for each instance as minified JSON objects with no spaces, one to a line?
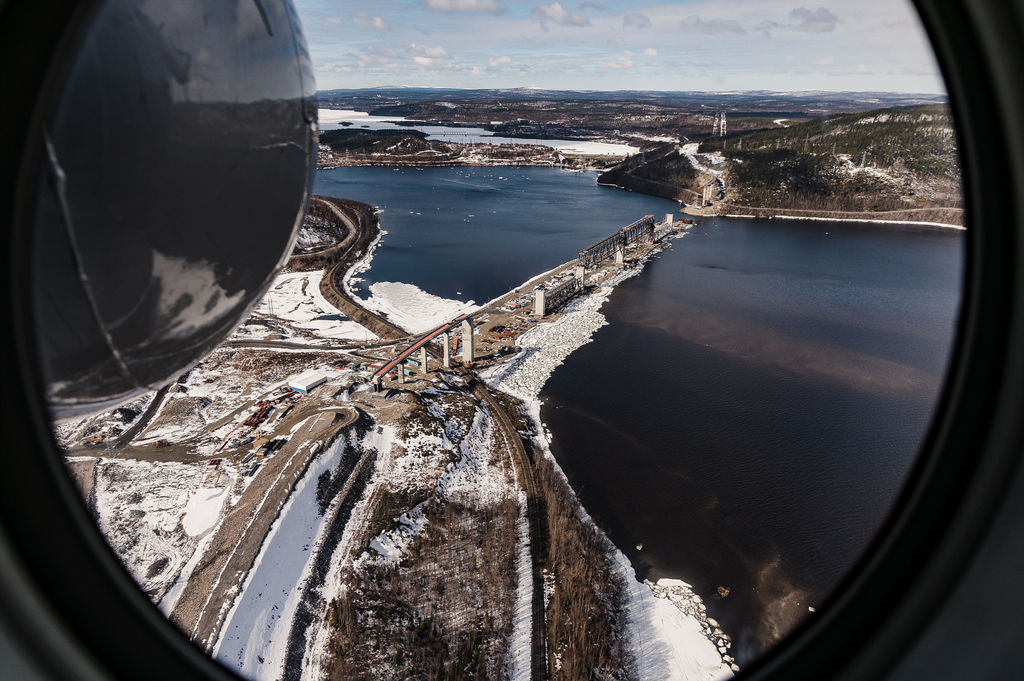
{"x":295,"y":299}
{"x":391,"y":545}
{"x":203,"y":510}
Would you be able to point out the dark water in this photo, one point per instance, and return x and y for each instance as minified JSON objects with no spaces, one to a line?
{"x":754,"y":405}
{"x":751,"y":410}
{"x":536,"y":219}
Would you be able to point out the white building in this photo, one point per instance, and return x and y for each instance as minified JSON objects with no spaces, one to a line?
{"x":307,"y":380}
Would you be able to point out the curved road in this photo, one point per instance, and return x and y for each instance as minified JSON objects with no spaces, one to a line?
{"x":334,"y":292}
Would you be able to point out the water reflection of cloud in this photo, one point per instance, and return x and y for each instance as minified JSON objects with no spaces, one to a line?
{"x":801,"y":356}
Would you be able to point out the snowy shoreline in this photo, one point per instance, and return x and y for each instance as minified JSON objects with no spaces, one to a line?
{"x":669,"y":632}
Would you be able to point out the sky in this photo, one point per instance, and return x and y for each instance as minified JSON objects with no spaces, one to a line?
{"x":848,"y":45}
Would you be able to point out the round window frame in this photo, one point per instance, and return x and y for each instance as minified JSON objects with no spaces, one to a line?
{"x":49,"y":543}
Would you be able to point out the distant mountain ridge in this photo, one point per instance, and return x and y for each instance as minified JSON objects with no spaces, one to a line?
{"x":884,"y":160}
{"x":805,"y":100}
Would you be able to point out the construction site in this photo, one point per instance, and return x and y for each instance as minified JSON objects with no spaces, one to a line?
{"x":322,"y":469}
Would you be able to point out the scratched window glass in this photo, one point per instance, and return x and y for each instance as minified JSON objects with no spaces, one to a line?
{"x":479,"y":339}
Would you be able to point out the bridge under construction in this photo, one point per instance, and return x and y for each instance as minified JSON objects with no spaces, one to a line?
{"x":546,"y":299}
{"x":617,"y":242}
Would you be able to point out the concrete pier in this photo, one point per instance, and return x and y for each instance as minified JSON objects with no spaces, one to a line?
{"x":538,"y":303}
{"x":620,"y":255}
{"x":401,"y":372}
{"x":423,"y":361}
{"x":446,"y":354}
{"x":467,"y":340}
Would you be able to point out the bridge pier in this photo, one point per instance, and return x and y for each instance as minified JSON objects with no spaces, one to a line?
{"x":401,"y":372}
{"x":581,"y":273}
{"x":377,"y":383}
{"x":446,"y":343}
{"x":620,"y":254}
{"x":467,"y":340}
{"x":538,"y":303}
{"x":423,"y":361}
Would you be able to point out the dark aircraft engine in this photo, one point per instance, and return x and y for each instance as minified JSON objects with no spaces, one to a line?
{"x":178,"y":163}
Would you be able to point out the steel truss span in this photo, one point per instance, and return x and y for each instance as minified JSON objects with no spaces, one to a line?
{"x":606,"y":247}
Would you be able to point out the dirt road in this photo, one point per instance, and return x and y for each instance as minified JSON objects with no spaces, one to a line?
{"x":359,"y":235}
{"x":208,"y":595}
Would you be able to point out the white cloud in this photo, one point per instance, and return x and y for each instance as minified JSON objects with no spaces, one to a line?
{"x":464,"y":6}
{"x":333,"y":21}
{"x":636,"y":20}
{"x":650,"y":52}
{"x":620,"y":62}
{"x":430,"y":57}
{"x":368,"y":20}
{"x":905,"y":24}
{"x":695,"y":24}
{"x":556,"y":14}
{"x":380,"y":57}
{"x":496,"y":63}
{"x":827,"y":61}
{"x":862,"y":69}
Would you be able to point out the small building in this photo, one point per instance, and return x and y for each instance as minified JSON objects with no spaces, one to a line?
{"x":307,"y":380}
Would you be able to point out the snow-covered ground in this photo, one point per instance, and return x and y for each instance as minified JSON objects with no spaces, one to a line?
{"x":669,"y":643}
{"x":71,"y":432}
{"x":318,"y":635}
{"x":332,"y":119}
{"x":295,"y":299}
{"x":254,"y":638}
{"x":690,"y":152}
{"x":203,"y":510}
{"x":472,"y":481}
{"x":140,"y":506}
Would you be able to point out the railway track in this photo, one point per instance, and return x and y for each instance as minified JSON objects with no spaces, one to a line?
{"x":535,"y":513}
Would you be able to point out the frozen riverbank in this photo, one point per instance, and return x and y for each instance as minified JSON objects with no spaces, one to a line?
{"x":668,"y":631}
{"x":668,"y":638}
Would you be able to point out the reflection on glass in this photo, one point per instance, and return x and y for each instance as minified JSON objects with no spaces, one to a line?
{"x":615,"y":376}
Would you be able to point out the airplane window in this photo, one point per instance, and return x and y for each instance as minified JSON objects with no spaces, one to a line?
{"x":526,"y":341}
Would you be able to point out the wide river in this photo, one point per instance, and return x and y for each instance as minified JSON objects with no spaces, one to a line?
{"x":747,"y":418}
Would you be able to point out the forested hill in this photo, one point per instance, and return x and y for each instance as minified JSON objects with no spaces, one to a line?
{"x":881,"y":160}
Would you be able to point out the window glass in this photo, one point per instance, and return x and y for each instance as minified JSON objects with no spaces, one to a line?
{"x":606,"y":344}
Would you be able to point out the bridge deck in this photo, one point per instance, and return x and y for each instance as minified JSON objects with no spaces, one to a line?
{"x":416,"y":346}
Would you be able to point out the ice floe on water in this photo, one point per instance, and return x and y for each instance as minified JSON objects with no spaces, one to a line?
{"x":545,"y":346}
{"x":412,"y":308}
